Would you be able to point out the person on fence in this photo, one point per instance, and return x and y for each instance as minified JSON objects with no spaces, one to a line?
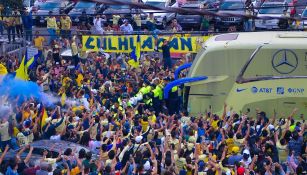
{"x":9,"y":24}
{"x":98,"y":29}
{"x":27,"y":21}
{"x":65,"y":26}
{"x":51,"y":27}
{"x":18,"y":23}
{"x":126,"y":27}
{"x":39,"y":43}
{"x":1,"y":21}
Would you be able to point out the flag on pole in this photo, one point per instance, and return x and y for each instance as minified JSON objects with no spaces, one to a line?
{"x":22,"y":72}
{"x":63,"y":98}
{"x":135,"y":54}
{"x":44,"y":117}
{"x":3,"y":70}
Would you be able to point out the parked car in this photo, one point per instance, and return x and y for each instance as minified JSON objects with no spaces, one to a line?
{"x":162,"y":18}
{"x":270,"y":9}
{"x":55,"y":146}
{"x":57,"y":7}
{"x":90,"y":8}
{"x":123,"y":10}
{"x":232,"y":7}
{"x":303,"y":23}
{"x":190,"y":21}
{"x":301,"y":4}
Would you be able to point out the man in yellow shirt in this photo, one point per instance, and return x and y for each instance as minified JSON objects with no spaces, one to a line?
{"x":9,"y":24}
{"x":51,"y":27}
{"x":138,"y":21}
{"x":18,"y":24}
{"x":65,"y":26}
{"x":115,"y":19}
{"x":38,"y":43}
{"x":74,"y":51}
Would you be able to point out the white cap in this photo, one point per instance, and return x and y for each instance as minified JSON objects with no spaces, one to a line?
{"x":47,"y":120}
{"x":76,"y":118}
{"x":246,"y":151}
{"x":257,"y":127}
{"x":271,"y":127}
{"x":147,"y":166}
{"x":138,"y":139}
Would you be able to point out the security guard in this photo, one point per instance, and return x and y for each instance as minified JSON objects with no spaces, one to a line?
{"x":157,"y":96}
{"x":173,"y":101}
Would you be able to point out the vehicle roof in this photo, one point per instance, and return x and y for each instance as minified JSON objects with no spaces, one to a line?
{"x":234,"y":1}
{"x":233,"y":43}
{"x":196,"y":5}
{"x":154,"y":1}
{"x":249,"y":40}
{"x":272,"y":3}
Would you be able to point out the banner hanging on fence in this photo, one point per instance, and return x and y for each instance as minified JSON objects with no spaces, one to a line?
{"x":125,"y":44}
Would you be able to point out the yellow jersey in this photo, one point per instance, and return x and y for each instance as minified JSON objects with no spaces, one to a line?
{"x":38,"y":42}
{"x":51,"y":23}
{"x":9,"y":21}
{"x":65,"y":23}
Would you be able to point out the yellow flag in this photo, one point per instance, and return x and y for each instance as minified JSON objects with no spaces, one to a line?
{"x":79,"y":79}
{"x":22,"y":72}
{"x":134,"y":64}
{"x":44,"y":117}
{"x":63,"y":98}
{"x":29,"y":62}
{"x":3,"y":69}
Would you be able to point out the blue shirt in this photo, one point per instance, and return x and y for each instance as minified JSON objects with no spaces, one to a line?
{"x":234,"y":158}
{"x":296,"y":145}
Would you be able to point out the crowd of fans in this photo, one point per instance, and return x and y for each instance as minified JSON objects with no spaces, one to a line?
{"x":119,"y":113}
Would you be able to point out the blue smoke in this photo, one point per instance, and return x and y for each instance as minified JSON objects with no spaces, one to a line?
{"x":23,"y":90}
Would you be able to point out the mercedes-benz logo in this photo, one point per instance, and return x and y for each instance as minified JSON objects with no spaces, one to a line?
{"x":284,"y":61}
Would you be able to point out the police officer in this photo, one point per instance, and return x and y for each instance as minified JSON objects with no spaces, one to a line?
{"x":157,"y":96}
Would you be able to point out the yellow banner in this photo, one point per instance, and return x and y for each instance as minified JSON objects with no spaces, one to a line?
{"x":125,"y":44}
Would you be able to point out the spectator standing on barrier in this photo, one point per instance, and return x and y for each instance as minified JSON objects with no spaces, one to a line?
{"x":39,"y":43}
{"x":115,"y":19}
{"x":65,"y":26}
{"x":175,"y":26}
{"x":204,"y":26}
{"x":9,"y":24}
{"x":126,"y":27}
{"x":74,"y":52}
{"x":98,"y":25}
{"x":109,"y":29}
{"x":27,"y":22}
{"x":1,"y":21}
{"x":18,"y":23}
{"x":84,"y":21}
{"x":166,"y":52}
{"x":51,"y":27}
{"x":151,"y":26}
{"x":137,"y":21}
{"x":249,"y":12}
{"x":283,"y":22}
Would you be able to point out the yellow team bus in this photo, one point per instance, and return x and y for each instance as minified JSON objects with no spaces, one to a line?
{"x":265,"y":70}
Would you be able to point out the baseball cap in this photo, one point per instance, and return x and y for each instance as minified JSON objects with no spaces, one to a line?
{"x":147,"y":166}
{"x":235,"y":149}
{"x":138,"y":139}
